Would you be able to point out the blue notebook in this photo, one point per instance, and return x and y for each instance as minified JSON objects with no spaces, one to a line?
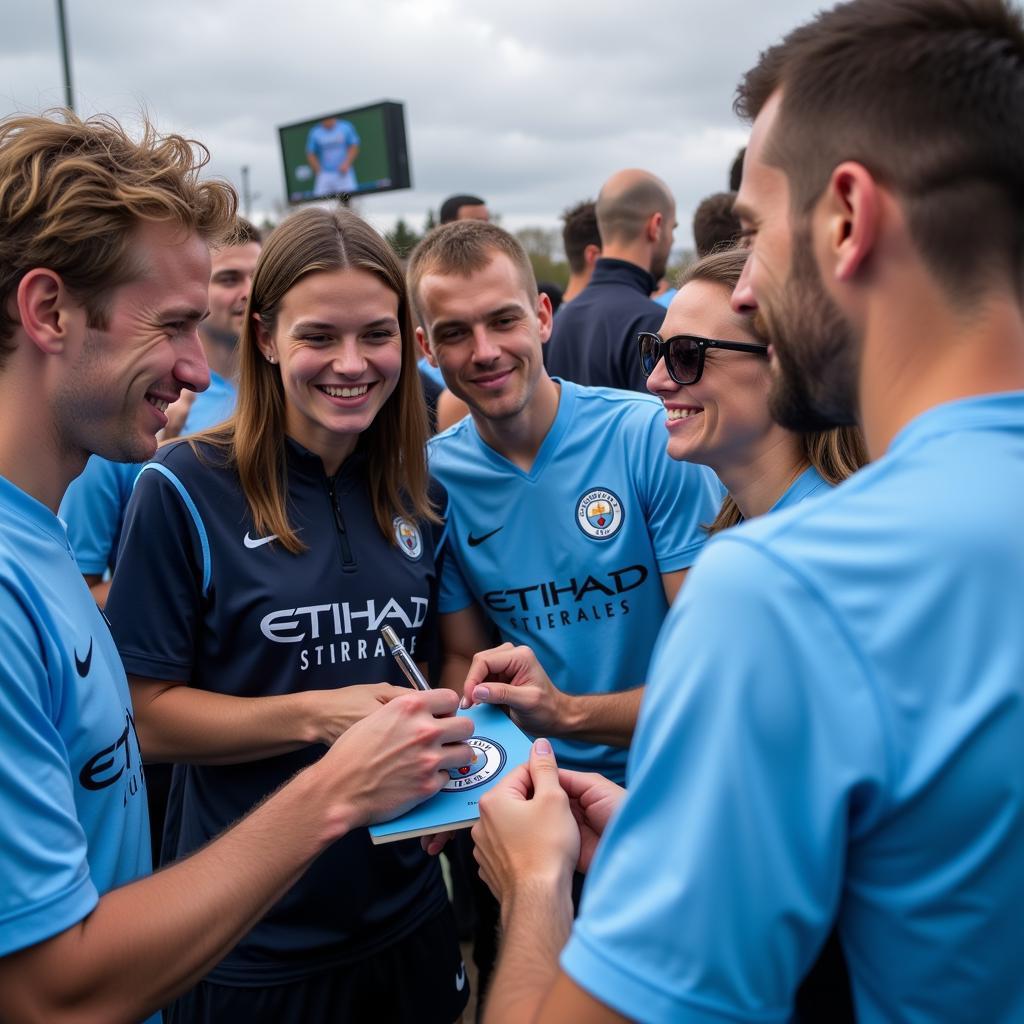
{"x":499,"y":745}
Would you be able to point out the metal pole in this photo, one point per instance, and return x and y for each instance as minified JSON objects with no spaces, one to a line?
{"x":246,"y":194}
{"x":61,"y":21}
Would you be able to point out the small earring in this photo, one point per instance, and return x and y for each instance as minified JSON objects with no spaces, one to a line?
{"x":271,"y":359}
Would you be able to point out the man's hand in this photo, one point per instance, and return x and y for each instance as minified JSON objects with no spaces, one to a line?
{"x":336,"y":711}
{"x":593,"y":799}
{"x":398,"y":756}
{"x":526,"y":831}
{"x":513,"y":676}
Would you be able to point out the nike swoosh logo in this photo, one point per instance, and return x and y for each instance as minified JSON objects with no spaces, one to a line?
{"x":258,"y":542}
{"x":82,"y":664}
{"x":460,"y":978}
{"x":476,"y":541}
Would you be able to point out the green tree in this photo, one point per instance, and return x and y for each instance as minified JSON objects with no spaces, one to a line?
{"x":402,"y":238}
{"x":544,"y":247}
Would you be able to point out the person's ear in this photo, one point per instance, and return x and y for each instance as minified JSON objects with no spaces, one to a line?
{"x":591,"y":254}
{"x":47,"y":312}
{"x":545,"y":316}
{"x":654,"y":223}
{"x":264,"y":339}
{"x":851,"y":213}
{"x":424,"y":344}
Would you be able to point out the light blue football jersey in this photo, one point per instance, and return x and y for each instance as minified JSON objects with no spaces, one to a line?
{"x":93,"y":511}
{"x":832,"y":731}
{"x":331,"y":145}
{"x":568,"y":557}
{"x":73,"y":817}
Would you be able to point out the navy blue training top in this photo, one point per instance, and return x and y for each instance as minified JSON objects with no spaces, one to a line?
{"x":200,"y":596}
{"x":593,"y":340}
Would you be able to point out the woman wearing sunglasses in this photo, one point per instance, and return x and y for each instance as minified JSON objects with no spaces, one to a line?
{"x":709,"y":366}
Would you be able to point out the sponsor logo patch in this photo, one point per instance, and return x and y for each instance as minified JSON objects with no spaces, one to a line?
{"x":408,"y":536}
{"x":599,"y":513}
{"x":490,"y":758}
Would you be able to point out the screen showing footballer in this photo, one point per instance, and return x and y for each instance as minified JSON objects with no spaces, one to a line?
{"x":351,"y":152}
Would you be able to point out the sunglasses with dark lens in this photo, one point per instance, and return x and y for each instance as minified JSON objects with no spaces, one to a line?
{"x":684,"y":354}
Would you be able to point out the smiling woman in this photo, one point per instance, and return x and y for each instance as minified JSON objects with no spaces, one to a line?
{"x":713,"y":373}
{"x":259,"y":562}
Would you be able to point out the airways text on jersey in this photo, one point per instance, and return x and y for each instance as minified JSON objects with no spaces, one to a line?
{"x":346,"y":632}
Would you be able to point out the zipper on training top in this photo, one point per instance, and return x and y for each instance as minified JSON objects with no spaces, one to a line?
{"x":348,"y":562}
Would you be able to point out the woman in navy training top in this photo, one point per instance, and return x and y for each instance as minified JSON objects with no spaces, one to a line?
{"x":259,"y":563}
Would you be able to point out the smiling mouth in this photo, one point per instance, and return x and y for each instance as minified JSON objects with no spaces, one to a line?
{"x":491,"y":378}
{"x":682,"y":414}
{"x":158,"y":403}
{"x":344,"y":392}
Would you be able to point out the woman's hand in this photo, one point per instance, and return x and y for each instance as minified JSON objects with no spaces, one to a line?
{"x":333,"y":712}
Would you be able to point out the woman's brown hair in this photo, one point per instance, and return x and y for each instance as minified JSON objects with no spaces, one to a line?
{"x":836,"y":454}
{"x":310,"y":242}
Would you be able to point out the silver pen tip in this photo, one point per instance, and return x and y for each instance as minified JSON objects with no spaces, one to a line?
{"x":390,"y":637}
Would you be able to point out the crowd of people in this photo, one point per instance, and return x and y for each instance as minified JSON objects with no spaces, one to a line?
{"x":740,"y":551}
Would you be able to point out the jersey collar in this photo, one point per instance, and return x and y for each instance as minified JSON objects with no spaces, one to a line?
{"x":979,"y":412}
{"x":33,"y":512}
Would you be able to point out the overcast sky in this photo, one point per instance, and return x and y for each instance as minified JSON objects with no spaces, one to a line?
{"x":530,"y":104}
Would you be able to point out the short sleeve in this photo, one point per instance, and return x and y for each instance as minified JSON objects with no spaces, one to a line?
{"x":681,"y":500}
{"x":93,"y":508}
{"x":759,"y":744}
{"x":311,"y":141}
{"x":353,"y":135}
{"x":46,"y":887}
{"x":156,"y":599}
{"x":455,"y":593}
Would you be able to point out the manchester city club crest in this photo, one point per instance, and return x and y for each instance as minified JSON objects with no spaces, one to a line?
{"x":599,"y":513}
{"x":490,"y":759}
{"x":408,"y":536}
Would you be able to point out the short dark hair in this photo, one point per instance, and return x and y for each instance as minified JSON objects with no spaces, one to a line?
{"x":715,"y":226}
{"x":451,"y":206}
{"x":623,"y":215}
{"x":736,"y":170}
{"x":246,"y":232}
{"x":929,"y":96}
{"x":580,"y":230}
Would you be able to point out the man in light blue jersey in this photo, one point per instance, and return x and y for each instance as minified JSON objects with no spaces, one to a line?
{"x":833,"y":720}
{"x":569,"y":528}
{"x":331,"y":150}
{"x":104,"y":265}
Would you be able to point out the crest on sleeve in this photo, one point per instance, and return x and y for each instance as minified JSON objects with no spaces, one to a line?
{"x":409,"y":538}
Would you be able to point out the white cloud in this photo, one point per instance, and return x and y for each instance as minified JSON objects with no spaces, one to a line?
{"x":530,"y":104}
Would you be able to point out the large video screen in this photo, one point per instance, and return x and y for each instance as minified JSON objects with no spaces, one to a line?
{"x":351,"y":152}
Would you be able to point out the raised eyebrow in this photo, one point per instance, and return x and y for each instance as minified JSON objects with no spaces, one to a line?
{"x":512,"y":307}
{"x":741,"y":211}
{"x":313,"y":325}
{"x":196,"y":315}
